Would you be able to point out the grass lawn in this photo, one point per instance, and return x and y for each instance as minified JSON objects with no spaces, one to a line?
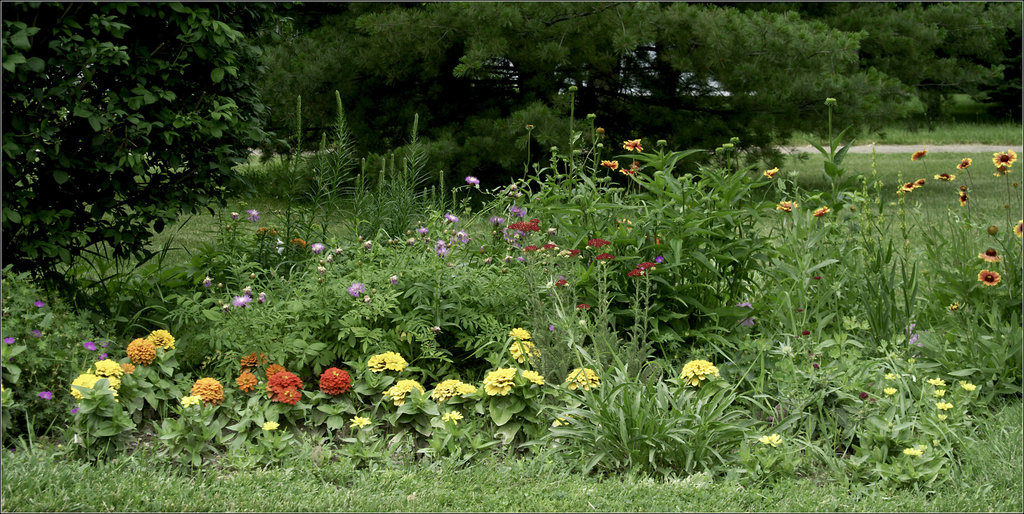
{"x":34,"y":481}
{"x":942,"y":133}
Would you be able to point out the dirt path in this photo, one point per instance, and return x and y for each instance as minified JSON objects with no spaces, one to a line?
{"x":909,"y":149}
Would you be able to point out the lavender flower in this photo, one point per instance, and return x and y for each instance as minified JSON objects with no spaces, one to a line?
{"x":442,"y":248}
{"x":103,"y":356}
{"x":463,"y":236}
{"x":262,"y":298}
{"x":74,"y":410}
{"x":497,"y":220}
{"x":521,"y":258}
{"x":234,"y":215}
{"x":318,"y":248}
{"x":423,"y":231}
{"x":254,"y":215}
{"x":40,"y":304}
{"x":247,"y":291}
{"x":9,"y":340}
{"x":451,"y":217}
{"x":241,"y":301}
{"x":659,"y":259}
{"x":518,"y":211}
{"x":393,"y":279}
{"x":551,"y":327}
{"x":207,"y":281}
{"x":89,"y":345}
{"x":473,"y":181}
{"x":46,"y":395}
{"x":356,"y":288}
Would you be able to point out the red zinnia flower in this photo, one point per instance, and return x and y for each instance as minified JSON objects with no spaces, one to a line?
{"x":573,"y":253}
{"x":291,"y":396}
{"x":335,"y":381}
{"x":598,"y":243}
{"x":282,"y":381}
{"x":525,"y":226}
{"x":605,"y":256}
{"x":582,"y":306}
{"x":550,"y":246}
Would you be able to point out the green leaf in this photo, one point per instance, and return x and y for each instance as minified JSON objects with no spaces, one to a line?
{"x":217,"y":75}
{"x":13,"y":60}
{"x":60,"y":176}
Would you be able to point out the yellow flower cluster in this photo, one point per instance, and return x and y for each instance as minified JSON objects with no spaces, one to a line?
{"x":889,"y":391}
{"x":584,"y":378}
{"x":522,"y":349}
{"x":398,"y":391}
{"x":499,"y":381}
{"x":359,"y":422}
{"x":913,"y":452}
{"x":937,"y":382}
{"x":943,"y":405}
{"x":967,"y":386}
{"x":161,"y":339}
{"x":770,"y":440}
{"x":270,"y":426}
{"x":108,"y":368}
{"x":532,"y":376}
{"x":519,"y":334}
{"x":209,"y":389}
{"x":191,"y":400}
{"x":453,"y":416}
{"x":449,"y":389}
{"x":696,"y":371}
{"x":141,"y":351}
{"x":386,"y":361}
{"x":86,"y":380}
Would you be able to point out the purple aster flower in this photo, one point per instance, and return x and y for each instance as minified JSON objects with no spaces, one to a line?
{"x":318,"y":248}
{"x":473,"y":181}
{"x":551,"y":327}
{"x":423,"y":231}
{"x":254,"y":215}
{"x":9,"y":340}
{"x":46,"y":395}
{"x":356,"y":288}
{"x":241,"y":301}
{"x":74,"y":410}
{"x":89,"y":345}
{"x":103,"y":356}
{"x":393,"y":279}
{"x":463,"y":236}
{"x":497,"y":220}
{"x":36,"y":333}
{"x":518,"y":211}
{"x":659,"y":259}
{"x":521,"y":258}
{"x":442,"y":248}
{"x":40,"y":304}
{"x":451,"y":217}
{"x":262,"y":298}
{"x":207,"y":282}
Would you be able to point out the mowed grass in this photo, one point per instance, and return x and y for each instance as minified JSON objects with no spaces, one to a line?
{"x":941,"y":133}
{"x":989,"y":480}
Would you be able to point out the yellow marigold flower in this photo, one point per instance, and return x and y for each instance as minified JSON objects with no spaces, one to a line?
{"x":770,"y":440}
{"x":943,"y":405}
{"x":770,"y":173}
{"x":967,"y":386}
{"x":86,"y":380}
{"x":108,"y":368}
{"x":387,"y":361}
{"x":499,"y":381}
{"x":270,"y":425}
{"x":937,"y":382}
{"x":398,"y":391}
{"x":890,"y":376}
{"x":913,"y":452}
{"x":889,"y":391}
{"x":786,"y":206}
{"x":161,"y":339}
{"x":939,"y":393}
{"x":821,"y":212}
{"x":190,"y":400}
{"x":584,"y":378}
{"x":128,"y":368}
{"x":209,"y":389}
{"x":141,"y":351}
{"x":453,"y":416}
{"x":532,"y":376}
{"x":696,"y":371}
{"x":519,"y":334}
{"x":522,"y":350}
{"x":449,"y":389}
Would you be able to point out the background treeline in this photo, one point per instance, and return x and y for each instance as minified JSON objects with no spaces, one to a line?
{"x":692,"y":74}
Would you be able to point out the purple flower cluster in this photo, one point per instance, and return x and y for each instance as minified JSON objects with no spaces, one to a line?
{"x":497,"y":220}
{"x":518,"y":211}
{"x":442,"y":248}
{"x":356,"y":288}
{"x":473,"y":181}
{"x":254,"y":215}
{"x":318,"y":248}
{"x":451,"y":217}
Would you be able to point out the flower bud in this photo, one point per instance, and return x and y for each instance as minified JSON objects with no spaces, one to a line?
{"x":573,"y":89}
{"x":993,"y":230}
{"x":252,"y":276}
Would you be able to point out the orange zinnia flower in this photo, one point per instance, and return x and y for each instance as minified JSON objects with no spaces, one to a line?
{"x":246,"y":381}
{"x":1006,"y":158}
{"x":274,"y":369}
{"x":822,"y":211}
{"x":946,"y":177}
{"x":614,"y":165}
{"x":786,"y":206}
{"x":633,"y":144}
{"x":209,"y":389}
{"x":989,"y":278}
{"x":141,"y":351}
{"x":990,"y":255}
{"x":964,"y":163}
{"x":918,"y":154}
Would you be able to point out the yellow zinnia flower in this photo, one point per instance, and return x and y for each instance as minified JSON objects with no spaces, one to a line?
{"x":696,"y":371}
{"x":398,"y":391}
{"x":584,"y":378}
{"x":499,"y":381}
{"x":161,"y":339}
{"x":914,"y":452}
{"x":937,"y":382}
{"x":943,"y":405}
{"x":532,"y":376}
{"x":386,"y":361}
{"x":889,"y":391}
{"x":519,"y":334}
{"x":191,"y":400}
{"x":939,"y":393}
{"x":890,"y":376}
{"x":86,"y":380}
{"x":108,"y":368}
{"x":523,"y":349}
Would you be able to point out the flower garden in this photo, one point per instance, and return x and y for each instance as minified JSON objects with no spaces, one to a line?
{"x":623,"y":308}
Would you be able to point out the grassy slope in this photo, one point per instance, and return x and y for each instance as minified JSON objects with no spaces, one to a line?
{"x":991,"y":480}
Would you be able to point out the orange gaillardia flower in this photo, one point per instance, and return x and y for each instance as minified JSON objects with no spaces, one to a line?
{"x":989,"y":278}
{"x":821,"y":212}
{"x":990,"y":255}
{"x":786,"y":206}
{"x":1006,"y":158}
{"x":919,"y":154}
{"x":908,"y":187}
{"x":633,"y":144}
{"x":612,"y":165}
{"x":246,"y":381}
{"x":1001,"y":170}
{"x":1018,"y":229}
{"x":920,"y":182}
{"x":209,"y":389}
{"x":963,"y":198}
{"x":141,"y":351}
{"x":946,"y":177}
{"x":964,"y":163}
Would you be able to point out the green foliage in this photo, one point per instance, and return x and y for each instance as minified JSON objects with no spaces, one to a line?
{"x":120,"y":117}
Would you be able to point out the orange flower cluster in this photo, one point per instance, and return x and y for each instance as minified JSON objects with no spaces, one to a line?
{"x":209,"y":389}
{"x":141,"y":351}
{"x":246,"y":381}
{"x":298,"y":241}
{"x":335,"y":381}
{"x":284,"y":387}
{"x":253,"y":361}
